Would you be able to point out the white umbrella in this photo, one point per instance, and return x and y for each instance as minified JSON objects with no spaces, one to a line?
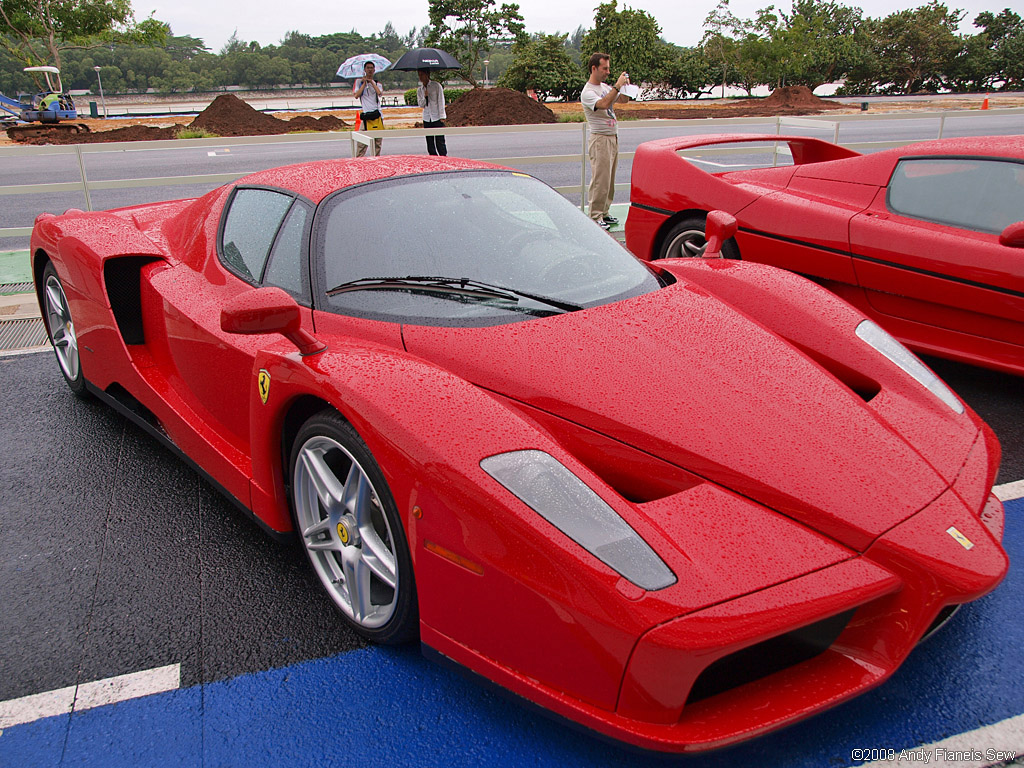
{"x":353,"y":67}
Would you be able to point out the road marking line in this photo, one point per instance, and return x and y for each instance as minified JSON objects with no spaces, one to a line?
{"x":62,"y":701}
{"x":980,"y":748}
{"x":1009,"y":491}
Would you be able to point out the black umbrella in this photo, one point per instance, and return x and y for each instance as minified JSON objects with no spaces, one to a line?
{"x":426,"y":58}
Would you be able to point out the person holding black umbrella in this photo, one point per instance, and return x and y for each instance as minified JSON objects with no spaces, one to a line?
{"x":430,"y":96}
{"x":369,"y":93}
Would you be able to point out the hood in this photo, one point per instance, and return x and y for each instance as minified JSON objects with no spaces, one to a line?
{"x":682,"y":375}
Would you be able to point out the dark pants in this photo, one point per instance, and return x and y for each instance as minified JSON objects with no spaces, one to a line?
{"x":435,"y":144}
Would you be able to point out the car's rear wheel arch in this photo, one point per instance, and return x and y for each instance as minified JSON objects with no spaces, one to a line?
{"x":690,"y":219}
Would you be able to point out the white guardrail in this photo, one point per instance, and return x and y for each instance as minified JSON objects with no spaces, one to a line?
{"x":830,"y":123}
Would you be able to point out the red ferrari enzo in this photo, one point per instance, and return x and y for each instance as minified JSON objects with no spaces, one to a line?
{"x":925,"y":239}
{"x":681,"y":504}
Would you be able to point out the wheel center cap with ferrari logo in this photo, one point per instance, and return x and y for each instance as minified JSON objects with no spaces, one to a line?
{"x":347,"y":531}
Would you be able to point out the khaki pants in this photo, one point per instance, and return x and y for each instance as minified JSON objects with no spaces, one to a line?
{"x":604,"y":159}
{"x":371,"y":125}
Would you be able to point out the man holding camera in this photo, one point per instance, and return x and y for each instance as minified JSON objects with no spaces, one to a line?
{"x":598,"y":99}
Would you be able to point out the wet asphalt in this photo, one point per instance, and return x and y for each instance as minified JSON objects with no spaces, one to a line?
{"x":116,"y":557}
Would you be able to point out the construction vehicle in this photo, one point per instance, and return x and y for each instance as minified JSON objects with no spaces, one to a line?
{"x":41,"y":113}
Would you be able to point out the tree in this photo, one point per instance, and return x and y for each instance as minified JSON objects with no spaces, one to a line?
{"x":631,"y":38}
{"x":992,"y":58}
{"x":467,"y":29}
{"x":37,"y":31}
{"x":908,"y":50}
{"x":684,"y":72}
{"x":543,"y":64}
{"x":720,"y":44}
{"x":820,"y":42}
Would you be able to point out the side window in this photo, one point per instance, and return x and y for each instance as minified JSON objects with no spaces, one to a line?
{"x":288,"y":267}
{"x":969,"y":193}
{"x":251,"y":224}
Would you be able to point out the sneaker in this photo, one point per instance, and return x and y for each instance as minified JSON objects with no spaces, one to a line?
{"x":610,"y":220}
{"x":603,"y":224}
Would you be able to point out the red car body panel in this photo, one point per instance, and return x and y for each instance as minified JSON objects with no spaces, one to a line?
{"x":940,"y":289}
{"x":784,"y":471}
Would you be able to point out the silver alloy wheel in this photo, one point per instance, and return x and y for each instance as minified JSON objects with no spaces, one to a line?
{"x":346,"y":532}
{"x":62,"y":327}
{"x":687,"y":243}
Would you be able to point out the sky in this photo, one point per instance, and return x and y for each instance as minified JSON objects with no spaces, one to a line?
{"x":267,"y":21}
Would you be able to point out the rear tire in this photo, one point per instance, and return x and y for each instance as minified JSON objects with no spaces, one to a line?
{"x":60,"y":327}
{"x":686,"y":239}
{"x":349,"y":526}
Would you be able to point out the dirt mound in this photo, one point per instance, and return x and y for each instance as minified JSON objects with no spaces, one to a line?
{"x":128,"y":133}
{"x":324,"y":123}
{"x":795,"y":96}
{"x":228,"y":115}
{"x":497,"y":106}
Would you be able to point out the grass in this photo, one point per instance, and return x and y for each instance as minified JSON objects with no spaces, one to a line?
{"x":571,"y":117}
{"x":196,"y":133}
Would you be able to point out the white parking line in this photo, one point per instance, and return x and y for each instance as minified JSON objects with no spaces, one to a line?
{"x":994,"y":744}
{"x":1009,"y":491}
{"x":88,"y":695}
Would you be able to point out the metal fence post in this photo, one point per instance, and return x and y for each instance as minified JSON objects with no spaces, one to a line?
{"x":942,"y":124}
{"x":85,"y":179}
{"x":583,"y":171}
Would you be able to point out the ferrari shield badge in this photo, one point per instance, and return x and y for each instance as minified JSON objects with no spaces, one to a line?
{"x":962,"y":540}
{"x":263,"y":384}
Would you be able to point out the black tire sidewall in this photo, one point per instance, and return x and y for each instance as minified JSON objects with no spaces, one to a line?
{"x":730,"y":250}
{"x":403,"y":626}
{"x":77,"y":384}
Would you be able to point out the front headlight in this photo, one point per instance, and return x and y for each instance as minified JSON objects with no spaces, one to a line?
{"x":905,"y":359}
{"x":546,"y":486}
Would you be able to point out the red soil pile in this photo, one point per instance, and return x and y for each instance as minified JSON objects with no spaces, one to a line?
{"x":227,"y":115}
{"x":796,"y":96}
{"x":497,"y":106}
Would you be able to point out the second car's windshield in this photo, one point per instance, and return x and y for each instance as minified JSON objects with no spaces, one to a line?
{"x":500,"y":228}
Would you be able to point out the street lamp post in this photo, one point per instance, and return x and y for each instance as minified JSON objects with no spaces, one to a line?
{"x":486,"y":79}
{"x":102,"y":97}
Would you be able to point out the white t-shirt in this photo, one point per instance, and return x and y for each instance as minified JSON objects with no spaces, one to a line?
{"x":433,"y":107}
{"x":369,"y":99}
{"x":598,"y":120}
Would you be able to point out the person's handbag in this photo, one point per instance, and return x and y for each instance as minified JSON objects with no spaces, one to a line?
{"x":370,"y":116}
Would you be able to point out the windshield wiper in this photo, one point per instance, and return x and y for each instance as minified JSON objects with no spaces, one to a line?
{"x":461,"y":286}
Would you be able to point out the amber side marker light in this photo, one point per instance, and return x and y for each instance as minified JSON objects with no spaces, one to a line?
{"x":447,"y":554}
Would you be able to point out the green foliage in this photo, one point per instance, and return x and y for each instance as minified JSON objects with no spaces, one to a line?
{"x":685,"y":72}
{"x":631,"y":38}
{"x":467,"y":29}
{"x":195,"y":133}
{"x":572,"y":117}
{"x":38,"y":31}
{"x":544,"y":65}
{"x":907,"y":51}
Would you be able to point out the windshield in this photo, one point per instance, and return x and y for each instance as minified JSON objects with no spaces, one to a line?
{"x":379,"y":242}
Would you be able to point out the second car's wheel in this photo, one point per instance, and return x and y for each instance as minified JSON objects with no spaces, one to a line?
{"x":349,"y":526}
{"x":61,"y":329}
{"x":686,"y":239}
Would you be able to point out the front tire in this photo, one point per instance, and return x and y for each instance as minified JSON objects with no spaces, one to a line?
{"x":61,"y":329}
{"x":686,"y":239}
{"x":350,"y":529}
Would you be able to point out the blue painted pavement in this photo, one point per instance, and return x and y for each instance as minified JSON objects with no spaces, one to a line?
{"x":385,"y":707}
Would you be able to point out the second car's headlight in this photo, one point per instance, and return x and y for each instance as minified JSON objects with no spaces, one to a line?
{"x":871,"y":333}
{"x":546,"y":486}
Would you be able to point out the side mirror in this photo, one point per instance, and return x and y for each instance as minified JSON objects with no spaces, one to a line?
{"x":1013,"y":235}
{"x":718,"y":228}
{"x":268,"y":310}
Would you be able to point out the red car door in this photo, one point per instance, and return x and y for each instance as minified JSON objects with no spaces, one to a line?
{"x":927,"y":253}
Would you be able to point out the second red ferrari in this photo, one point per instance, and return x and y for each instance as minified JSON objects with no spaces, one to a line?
{"x":926,"y":239}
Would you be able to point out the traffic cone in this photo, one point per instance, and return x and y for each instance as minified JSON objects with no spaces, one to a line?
{"x":359,"y":116}
{"x":984,"y":104}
